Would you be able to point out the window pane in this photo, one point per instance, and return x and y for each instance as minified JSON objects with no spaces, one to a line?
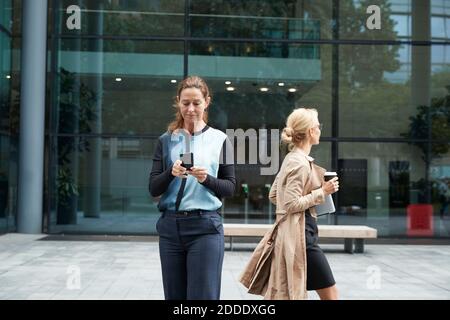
{"x":438,"y":27}
{"x":303,"y":19}
{"x":402,"y":26}
{"x":97,"y":78}
{"x":8,"y":178}
{"x":378,"y":96}
{"x":356,"y":20}
{"x":142,"y":17}
{"x":378,"y":184}
{"x":440,"y":179}
{"x":105,"y":179}
{"x":374,"y":93}
{"x":6,"y":14}
{"x":440,"y":106}
{"x":398,"y":20}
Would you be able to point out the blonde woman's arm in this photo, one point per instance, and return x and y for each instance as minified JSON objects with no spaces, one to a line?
{"x":294,"y":201}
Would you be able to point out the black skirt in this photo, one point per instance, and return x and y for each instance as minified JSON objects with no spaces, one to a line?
{"x":318,"y":271}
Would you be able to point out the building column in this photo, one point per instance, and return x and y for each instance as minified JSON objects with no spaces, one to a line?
{"x":421,"y":70}
{"x":32,"y":116}
{"x":421,"y":55}
{"x":94,"y":156}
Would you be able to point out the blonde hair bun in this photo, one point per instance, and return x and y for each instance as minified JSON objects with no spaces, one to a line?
{"x":286,"y":135}
{"x":297,"y":125}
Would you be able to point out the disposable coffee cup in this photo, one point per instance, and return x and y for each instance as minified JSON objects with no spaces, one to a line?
{"x":328,"y":205}
{"x":329,"y":175}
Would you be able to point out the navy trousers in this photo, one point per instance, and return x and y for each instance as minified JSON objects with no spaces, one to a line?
{"x":191,"y":249}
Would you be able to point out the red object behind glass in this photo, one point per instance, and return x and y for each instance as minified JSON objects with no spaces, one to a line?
{"x":419,"y":220}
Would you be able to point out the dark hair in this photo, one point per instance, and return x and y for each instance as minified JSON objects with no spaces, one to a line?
{"x":189,"y":82}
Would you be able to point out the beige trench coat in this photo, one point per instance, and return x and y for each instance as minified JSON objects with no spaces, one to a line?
{"x":296,"y":188}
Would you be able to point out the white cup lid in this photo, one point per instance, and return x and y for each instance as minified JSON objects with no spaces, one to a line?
{"x":328,"y":173}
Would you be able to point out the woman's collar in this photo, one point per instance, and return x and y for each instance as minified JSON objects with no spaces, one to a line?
{"x":297,"y":149}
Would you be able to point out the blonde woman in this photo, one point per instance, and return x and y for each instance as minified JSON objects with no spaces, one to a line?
{"x":298,"y":264}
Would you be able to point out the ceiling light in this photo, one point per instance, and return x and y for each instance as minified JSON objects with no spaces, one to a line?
{"x":230,"y":89}
{"x":292,"y":90}
{"x":264,"y":89}
{"x":227,"y":82}
{"x":281,"y":84}
{"x":173,"y":81}
{"x":118,"y":79}
{"x":8,"y":77}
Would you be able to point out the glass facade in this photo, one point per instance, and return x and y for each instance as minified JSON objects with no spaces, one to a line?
{"x":8,"y":120}
{"x":382,"y":95}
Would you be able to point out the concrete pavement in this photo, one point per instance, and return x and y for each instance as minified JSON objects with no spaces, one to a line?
{"x":34,"y":269}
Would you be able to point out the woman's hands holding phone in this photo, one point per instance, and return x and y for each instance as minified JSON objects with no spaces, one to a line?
{"x":200,"y":173}
{"x":178,"y":170}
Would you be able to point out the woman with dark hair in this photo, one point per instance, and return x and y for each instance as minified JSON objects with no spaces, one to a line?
{"x":192,"y":173}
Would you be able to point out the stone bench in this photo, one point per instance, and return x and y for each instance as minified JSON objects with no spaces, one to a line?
{"x":353,"y":236}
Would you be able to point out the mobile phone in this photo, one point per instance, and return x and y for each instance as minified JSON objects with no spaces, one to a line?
{"x":187,"y":160}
